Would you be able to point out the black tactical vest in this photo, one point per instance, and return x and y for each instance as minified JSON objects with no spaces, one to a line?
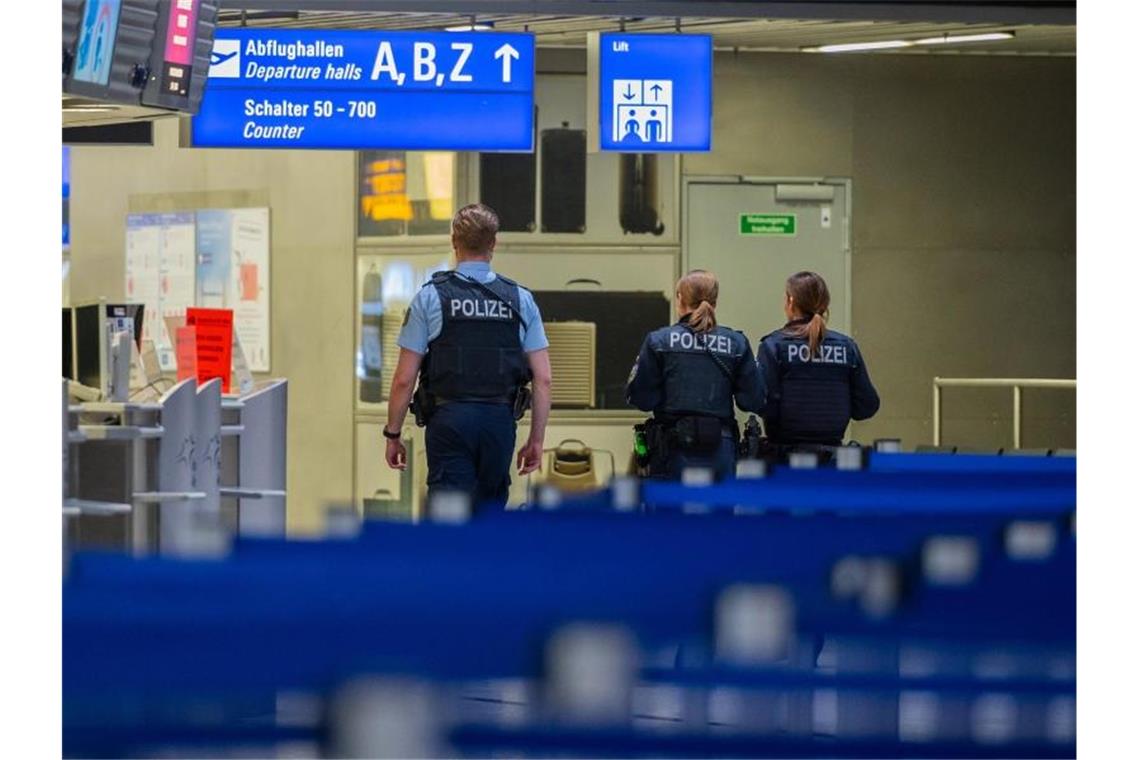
{"x":815,"y":402}
{"x":698,"y":379}
{"x":478,"y":355}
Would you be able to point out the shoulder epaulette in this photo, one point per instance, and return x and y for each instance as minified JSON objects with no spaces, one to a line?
{"x":771,"y":334}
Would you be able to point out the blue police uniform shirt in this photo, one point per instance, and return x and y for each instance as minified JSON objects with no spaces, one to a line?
{"x":425,"y":315}
{"x":677,"y":372}
{"x":812,"y":398}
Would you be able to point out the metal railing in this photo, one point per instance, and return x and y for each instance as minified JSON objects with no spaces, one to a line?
{"x":1017,"y":383}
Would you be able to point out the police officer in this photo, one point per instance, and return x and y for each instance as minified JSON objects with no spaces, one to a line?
{"x":474,"y":339}
{"x":688,"y":375}
{"x":816,"y":378}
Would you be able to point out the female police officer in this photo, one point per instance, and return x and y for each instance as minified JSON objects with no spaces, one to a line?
{"x":687,"y":375}
{"x":816,"y":378}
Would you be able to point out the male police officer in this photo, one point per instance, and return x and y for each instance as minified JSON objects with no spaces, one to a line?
{"x":475,"y":339}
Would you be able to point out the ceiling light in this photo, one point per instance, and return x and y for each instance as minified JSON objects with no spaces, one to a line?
{"x":953,"y":38}
{"x":469,"y":28}
{"x":851,"y":47}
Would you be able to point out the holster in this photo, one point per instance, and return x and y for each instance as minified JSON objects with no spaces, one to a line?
{"x":657,"y":445}
{"x":423,"y":405}
{"x":641,"y":448}
{"x":522,"y":401}
{"x":750,"y":445}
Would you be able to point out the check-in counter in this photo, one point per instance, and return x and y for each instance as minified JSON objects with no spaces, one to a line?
{"x":147,"y":477}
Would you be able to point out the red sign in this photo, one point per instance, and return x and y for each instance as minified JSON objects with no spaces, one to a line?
{"x":186,"y":352}
{"x":215,"y":340}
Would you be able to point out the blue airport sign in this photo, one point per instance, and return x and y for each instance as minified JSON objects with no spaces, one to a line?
{"x":655,"y":92}
{"x":277,"y":88}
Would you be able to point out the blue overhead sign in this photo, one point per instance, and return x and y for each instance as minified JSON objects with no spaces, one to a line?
{"x":655,"y":92}
{"x":277,"y":88}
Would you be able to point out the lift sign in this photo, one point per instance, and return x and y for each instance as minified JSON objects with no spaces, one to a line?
{"x":655,"y":92}
{"x":276,"y":88}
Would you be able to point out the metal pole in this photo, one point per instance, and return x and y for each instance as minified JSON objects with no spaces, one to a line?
{"x":1017,"y":416}
{"x":937,"y":413}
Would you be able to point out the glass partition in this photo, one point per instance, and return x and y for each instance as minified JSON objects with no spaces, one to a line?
{"x":405,"y":193}
{"x":386,"y":284}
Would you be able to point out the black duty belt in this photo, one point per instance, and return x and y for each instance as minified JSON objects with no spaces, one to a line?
{"x":727,"y":428}
{"x":509,"y":400}
{"x":810,"y":447}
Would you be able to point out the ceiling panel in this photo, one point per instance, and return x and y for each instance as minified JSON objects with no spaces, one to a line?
{"x":86,"y":112}
{"x":778,"y":35}
{"x":1019,"y":12}
{"x":745,"y":34}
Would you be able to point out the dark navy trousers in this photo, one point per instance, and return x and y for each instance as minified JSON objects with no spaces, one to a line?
{"x":469,"y":448}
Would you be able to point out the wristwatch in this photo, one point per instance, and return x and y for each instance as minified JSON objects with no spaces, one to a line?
{"x":391,"y":436}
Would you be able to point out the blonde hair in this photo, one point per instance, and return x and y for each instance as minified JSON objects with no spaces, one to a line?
{"x":474,"y":227}
{"x":698,"y":291}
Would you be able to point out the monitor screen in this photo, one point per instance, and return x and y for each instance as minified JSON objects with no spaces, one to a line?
{"x":68,"y":344}
{"x":178,"y":54}
{"x":66,"y":196}
{"x":96,"y":42}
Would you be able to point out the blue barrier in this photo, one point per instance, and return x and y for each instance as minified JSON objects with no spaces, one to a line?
{"x":933,"y":462}
{"x":145,"y":640}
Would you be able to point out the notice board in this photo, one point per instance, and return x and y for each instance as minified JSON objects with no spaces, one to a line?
{"x":214,"y":258}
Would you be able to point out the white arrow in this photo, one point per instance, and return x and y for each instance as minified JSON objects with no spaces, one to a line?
{"x":506,"y":52}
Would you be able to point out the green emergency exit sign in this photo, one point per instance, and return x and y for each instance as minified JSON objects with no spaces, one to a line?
{"x":767,"y":224}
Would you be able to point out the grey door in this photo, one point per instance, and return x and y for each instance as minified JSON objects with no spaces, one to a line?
{"x":788,"y":227}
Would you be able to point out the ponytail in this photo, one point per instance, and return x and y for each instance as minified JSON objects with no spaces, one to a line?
{"x":703,"y":318}
{"x":698,"y":291}
{"x":809,"y":295}
{"x":816,"y":329}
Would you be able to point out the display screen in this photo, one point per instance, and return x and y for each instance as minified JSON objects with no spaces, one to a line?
{"x":96,"y":41}
{"x":180,"y":31}
{"x":179,"y":50}
{"x":66,"y":195}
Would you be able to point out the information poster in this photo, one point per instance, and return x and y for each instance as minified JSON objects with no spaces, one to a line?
{"x":160,"y":274}
{"x":142,"y":271}
{"x":233,"y":273}
{"x":212,"y":258}
{"x":250,"y":278}
{"x":176,"y":278}
{"x":213,"y":233}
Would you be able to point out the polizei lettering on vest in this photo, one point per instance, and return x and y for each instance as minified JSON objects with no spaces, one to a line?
{"x":826,"y":354}
{"x":720,"y":344}
{"x":479,"y":308}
